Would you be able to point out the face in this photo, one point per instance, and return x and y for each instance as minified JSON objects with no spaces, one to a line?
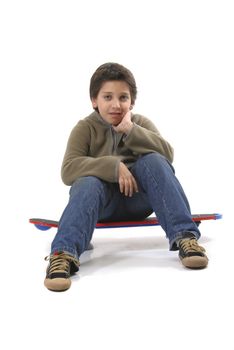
{"x":113,"y":101}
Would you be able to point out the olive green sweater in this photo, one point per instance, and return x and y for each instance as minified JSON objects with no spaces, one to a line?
{"x":95,"y":149}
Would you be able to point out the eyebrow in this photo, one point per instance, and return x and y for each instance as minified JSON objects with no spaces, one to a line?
{"x":122,"y":93}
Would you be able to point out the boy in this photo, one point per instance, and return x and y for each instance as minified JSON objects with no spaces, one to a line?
{"x":119,"y":168}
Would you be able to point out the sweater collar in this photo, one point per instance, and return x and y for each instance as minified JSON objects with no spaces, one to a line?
{"x":98,"y":117}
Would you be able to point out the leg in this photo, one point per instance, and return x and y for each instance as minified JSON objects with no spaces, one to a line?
{"x":166,"y":196}
{"x":88,"y":197}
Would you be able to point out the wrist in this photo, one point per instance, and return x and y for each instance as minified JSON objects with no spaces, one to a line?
{"x":128,"y":128}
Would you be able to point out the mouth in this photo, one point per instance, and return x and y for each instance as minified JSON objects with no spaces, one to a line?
{"x":115,"y":118}
{"x":115,"y":114}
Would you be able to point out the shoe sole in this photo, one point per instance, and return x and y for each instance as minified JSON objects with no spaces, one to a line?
{"x":57,"y":284}
{"x":195,"y":262}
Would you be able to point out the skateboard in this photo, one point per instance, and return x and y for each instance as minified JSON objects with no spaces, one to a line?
{"x":44,"y":224}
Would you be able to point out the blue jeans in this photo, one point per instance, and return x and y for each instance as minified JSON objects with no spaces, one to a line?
{"x":92,"y":200}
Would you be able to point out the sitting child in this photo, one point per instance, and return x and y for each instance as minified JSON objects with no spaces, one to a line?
{"x":119,"y":168}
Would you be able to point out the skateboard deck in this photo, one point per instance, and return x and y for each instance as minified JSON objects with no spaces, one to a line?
{"x":44,"y":224}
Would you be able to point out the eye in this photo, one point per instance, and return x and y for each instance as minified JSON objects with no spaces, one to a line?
{"x":124,"y":98}
{"x":107,"y":97}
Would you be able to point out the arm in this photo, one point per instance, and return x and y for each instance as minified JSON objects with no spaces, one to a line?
{"x":143,"y":137}
{"x":77,"y":162}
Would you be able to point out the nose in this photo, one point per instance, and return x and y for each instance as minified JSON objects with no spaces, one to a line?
{"x":115,"y":103}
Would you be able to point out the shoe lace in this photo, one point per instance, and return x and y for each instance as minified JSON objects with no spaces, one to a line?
{"x":191,"y":245}
{"x":60,"y":262}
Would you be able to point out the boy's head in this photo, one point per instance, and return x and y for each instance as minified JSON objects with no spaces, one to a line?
{"x":112,"y":72}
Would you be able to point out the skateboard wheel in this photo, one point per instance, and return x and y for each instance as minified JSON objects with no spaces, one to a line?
{"x":42,"y":227}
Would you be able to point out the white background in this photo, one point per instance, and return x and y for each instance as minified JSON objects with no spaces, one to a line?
{"x":131,"y":292}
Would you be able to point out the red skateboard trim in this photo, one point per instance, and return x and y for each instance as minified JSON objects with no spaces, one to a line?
{"x":151,"y":221}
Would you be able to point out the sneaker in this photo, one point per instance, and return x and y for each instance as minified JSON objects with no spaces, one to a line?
{"x":191,"y":254}
{"x":61,"y":267}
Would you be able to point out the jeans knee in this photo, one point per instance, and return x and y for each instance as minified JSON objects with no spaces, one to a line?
{"x":154,"y":162}
{"x":88,"y":184}
{"x":153,"y":157}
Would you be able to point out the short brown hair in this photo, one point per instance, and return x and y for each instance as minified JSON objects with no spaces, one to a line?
{"x":112,"y":71}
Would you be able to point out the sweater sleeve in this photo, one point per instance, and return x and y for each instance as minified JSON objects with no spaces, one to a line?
{"x":145,"y":138}
{"x":78,"y":163}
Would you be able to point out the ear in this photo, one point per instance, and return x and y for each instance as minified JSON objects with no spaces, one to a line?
{"x":94,"y":102}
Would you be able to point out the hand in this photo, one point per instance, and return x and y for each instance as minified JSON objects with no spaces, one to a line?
{"x":127,"y":182}
{"x":125,"y":125}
